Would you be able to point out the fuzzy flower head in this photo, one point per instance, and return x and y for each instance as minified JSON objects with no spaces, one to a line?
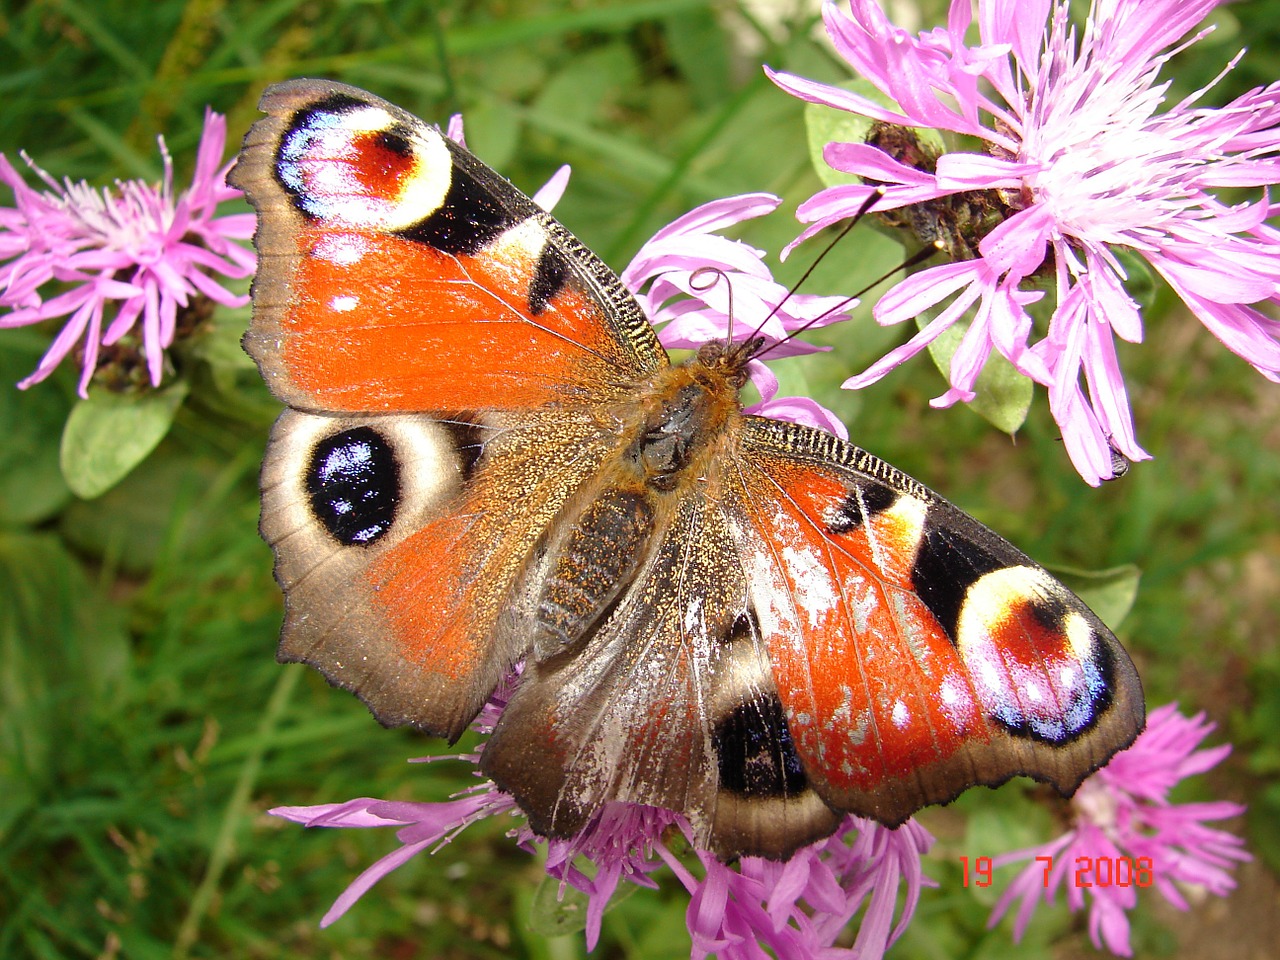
{"x":1127,"y":835}
{"x":797,"y":909}
{"x":129,"y":256}
{"x":1083,"y":163}
{"x":699,"y":287}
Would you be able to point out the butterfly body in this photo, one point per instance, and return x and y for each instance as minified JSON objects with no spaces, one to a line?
{"x":490,"y":460}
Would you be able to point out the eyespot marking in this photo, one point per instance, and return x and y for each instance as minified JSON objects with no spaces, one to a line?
{"x":353,"y":482}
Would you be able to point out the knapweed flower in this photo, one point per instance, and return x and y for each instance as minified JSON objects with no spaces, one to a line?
{"x":1083,"y":161}
{"x":135,"y":252}
{"x":797,"y":908}
{"x":1128,"y":835}
{"x":699,"y":287}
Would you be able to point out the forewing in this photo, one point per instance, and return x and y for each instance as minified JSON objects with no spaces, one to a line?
{"x":397,"y":272}
{"x":915,"y":652}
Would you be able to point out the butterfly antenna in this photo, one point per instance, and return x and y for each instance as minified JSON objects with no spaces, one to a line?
{"x":914,"y":260}
{"x":867,"y":204}
{"x":703,"y":279}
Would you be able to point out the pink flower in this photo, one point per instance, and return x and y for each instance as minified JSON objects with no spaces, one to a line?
{"x":799,"y":907}
{"x":423,"y":826}
{"x":796,"y":909}
{"x":1083,"y":159}
{"x":699,"y":286}
{"x":135,"y":247}
{"x":1125,"y":825}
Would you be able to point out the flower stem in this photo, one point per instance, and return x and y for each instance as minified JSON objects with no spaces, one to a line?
{"x":232,"y":819}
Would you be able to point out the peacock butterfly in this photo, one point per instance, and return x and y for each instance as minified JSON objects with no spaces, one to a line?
{"x":488,"y":458}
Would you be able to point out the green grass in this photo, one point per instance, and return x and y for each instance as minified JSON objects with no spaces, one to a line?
{"x":146,"y":726}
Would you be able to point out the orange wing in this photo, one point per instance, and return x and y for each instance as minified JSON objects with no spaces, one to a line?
{"x":444,"y":344}
{"x":398,"y":273}
{"x":915,"y":652}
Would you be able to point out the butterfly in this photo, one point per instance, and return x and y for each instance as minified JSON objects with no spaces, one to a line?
{"x":488,"y":459}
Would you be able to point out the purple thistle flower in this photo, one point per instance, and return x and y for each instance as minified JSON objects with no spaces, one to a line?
{"x":136,"y":246}
{"x":701,"y":287}
{"x":1081,"y":162}
{"x":620,"y":840}
{"x":1123,"y":813}
{"x":423,"y":826}
{"x":797,"y":908}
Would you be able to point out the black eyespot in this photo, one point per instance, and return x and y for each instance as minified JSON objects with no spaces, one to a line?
{"x":354,"y":484}
{"x":756,"y":756}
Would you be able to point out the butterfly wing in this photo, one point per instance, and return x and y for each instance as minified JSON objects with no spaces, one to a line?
{"x":916,"y":653}
{"x":448,"y":348}
{"x":813,"y":634}
{"x":399,"y":541}
{"x":778,"y":630}
{"x":399,"y":273}
{"x":669,"y":703}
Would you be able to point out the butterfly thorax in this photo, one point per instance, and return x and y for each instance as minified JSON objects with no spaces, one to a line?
{"x":688,"y":417}
{"x":674,"y":442}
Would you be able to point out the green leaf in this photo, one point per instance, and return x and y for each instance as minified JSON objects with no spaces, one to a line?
{"x":825,"y":125}
{"x":1109,"y":593}
{"x":1002,"y":394}
{"x":108,"y":435}
{"x":560,"y":909}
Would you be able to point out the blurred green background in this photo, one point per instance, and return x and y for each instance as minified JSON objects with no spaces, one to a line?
{"x":146,"y":725}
